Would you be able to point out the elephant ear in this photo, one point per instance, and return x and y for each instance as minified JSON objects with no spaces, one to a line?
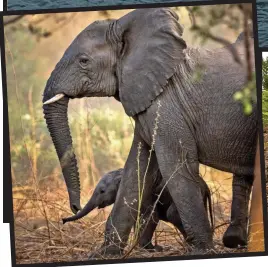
{"x":152,"y":47}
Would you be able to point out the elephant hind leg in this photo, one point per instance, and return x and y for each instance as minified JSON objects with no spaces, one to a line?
{"x":178,"y":162}
{"x":174,"y":218}
{"x":187,"y":197}
{"x":236,"y":233}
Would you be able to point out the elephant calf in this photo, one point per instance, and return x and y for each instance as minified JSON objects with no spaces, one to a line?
{"x":105,"y":195}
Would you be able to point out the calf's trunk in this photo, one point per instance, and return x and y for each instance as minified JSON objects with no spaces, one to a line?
{"x":91,"y":205}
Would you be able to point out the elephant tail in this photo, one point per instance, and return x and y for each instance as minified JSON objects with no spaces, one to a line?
{"x":210,"y":209}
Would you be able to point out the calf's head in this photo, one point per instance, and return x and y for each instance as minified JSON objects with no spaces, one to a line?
{"x":103,"y":195}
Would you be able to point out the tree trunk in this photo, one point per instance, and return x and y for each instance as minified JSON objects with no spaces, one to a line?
{"x":256,"y":227}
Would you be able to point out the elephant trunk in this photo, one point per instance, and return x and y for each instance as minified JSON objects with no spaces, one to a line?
{"x":57,"y":122}
{"x":91,"y":205}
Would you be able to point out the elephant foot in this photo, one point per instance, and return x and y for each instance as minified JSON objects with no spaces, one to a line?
{"x":151,"y":248}
{"x":235,"y":236}
{"x":111,"y":252}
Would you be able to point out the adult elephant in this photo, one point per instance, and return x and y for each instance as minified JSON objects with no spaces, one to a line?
{"x":182,"y":102}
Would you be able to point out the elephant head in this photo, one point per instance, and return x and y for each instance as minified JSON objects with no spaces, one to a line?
{"x":131,"y":58}
{"x":103,"y":195}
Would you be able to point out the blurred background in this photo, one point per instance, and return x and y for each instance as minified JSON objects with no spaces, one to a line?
{"x":101,"y":131}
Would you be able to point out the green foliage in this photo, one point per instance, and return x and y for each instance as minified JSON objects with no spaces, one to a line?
{"x":110,"y":133}
{"x":247,"y":96}
{"x":24,"y":105}
{"x":205,"y":21}
{"x":233,"y":17}
{"x":265,"y":74}
{"x":265,"y":92}
{"x":20,"y":76}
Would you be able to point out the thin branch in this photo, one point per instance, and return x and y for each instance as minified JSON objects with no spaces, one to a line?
{"x":13,"y":19}
{"x":247,"y":44}
{"x":206,"y":33}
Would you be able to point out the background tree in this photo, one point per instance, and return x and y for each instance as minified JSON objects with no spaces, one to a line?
{"x":236,"y":18}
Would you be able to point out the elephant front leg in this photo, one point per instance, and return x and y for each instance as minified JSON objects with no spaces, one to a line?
{"x":236,"y":233}
{"x":134,"y":192}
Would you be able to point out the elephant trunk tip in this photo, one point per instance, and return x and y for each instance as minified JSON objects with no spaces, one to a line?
{"x":64,"y":220}
{"x":75,"y":208}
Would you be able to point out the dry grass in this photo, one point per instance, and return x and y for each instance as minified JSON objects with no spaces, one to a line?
{"x":40,"y":235}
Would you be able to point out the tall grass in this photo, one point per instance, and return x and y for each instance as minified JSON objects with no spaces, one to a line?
{"x":142,"y":181}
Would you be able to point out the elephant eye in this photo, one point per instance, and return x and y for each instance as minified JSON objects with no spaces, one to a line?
{"x":102,"y":191}
{"x":84,"y":61}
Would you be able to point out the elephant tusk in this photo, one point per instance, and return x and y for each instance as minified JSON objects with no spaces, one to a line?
{"x":54,"y":99}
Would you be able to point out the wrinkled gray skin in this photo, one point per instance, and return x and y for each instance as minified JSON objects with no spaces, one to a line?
{"x":165,"y":209}
{"x":142,"y":60}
